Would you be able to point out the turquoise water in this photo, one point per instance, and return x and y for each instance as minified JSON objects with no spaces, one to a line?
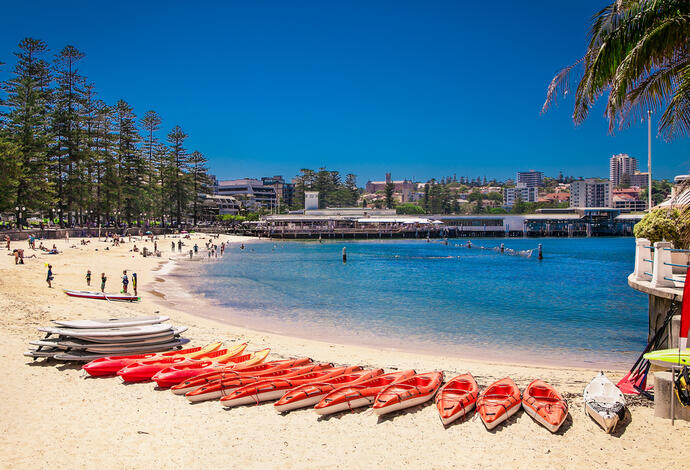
{"x":574,"y":307}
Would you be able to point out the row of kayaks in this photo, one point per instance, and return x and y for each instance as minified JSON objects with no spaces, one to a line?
{"x":236,"y":378}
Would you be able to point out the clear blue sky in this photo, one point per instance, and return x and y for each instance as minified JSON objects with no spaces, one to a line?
{"x":422,"y":88}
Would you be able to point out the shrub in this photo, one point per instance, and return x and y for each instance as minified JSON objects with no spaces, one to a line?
{"x":661,"y":224}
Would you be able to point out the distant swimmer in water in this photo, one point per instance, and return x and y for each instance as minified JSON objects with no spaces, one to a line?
{"x":242,"y":246}
{"x":469,"y":244}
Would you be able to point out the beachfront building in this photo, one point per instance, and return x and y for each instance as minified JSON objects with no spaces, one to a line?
{"x":521,"y":191}
{"x":214,"y":205}
{"x":531,"y":178}
{"x":284,"y":190}
{"x":403,"y":187}
{"x":250,"y":193}
{"x":590,"y":193}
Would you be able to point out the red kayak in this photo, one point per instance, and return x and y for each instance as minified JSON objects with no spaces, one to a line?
{"x":498,"y":402}
{"x":274,"y":388}
{"x":107,"y":366}
{"x":545,"y":405}
{"x":457,"y":398}
{"x":171,"y":376}
{"x":231,"y":381}
{"x":311,"y":394}
{"x":362,"y":394}
{"x":143,"y":371}
{"x":212,"y":376}
{"x":407,"y":393}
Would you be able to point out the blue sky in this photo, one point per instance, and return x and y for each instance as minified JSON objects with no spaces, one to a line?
{"x":422,"y":89}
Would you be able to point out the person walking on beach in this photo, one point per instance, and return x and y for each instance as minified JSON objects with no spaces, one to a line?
{"x":7,"y":240}
{"x":196,"y":248}
{"x":191,"y":253}
{"x":134,"y":283}
{"x":49,"y":277}
{"x":172,"y":244}
{"x":103,"y":279}
{"x":88,"y":278}
{"x":125,"y":281}
{"x":179,"y":246}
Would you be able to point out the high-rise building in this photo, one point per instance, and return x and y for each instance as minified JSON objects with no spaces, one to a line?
{"x":621,"y":167}
{"x":531,"y":178}
{"x":590,"y":193}
{"x":249,"y":192}
{"x":522,"y":191}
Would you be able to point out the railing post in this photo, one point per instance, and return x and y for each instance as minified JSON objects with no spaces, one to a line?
{"x":642,"y":252}
{"x":662,"y":272}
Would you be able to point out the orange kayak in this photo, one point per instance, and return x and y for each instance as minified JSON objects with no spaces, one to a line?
{"x":173,"y":375}
{"x":498,"y":402}
{"x":232,"y":381}
{"x":312,"y":393}
{"x":361,"y":394}
{"x":143,"y":371}
{"x":107,"y":366}
{"x":234,"y":371}
{"x":274,"y":388}
{"x":545,"y":405}
{"x":457,"y":398}
{"x":407,"y":393}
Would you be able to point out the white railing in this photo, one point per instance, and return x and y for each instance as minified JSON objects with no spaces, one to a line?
{"x":661,"y":265}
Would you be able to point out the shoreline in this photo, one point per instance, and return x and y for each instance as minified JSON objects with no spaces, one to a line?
{"x":67,"y":422}
{"x":184,"y":296}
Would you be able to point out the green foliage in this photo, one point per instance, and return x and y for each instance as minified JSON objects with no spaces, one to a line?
{"x":661,"y":224}
{"x":661,"y":190}
{"x":638,"y":53}
{"x":389,"y":189}
{"x":408,"y":208}
{"x":332,"y":191}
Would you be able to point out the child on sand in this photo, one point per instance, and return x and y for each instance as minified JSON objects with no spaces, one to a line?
{"x":49,"y":277}
{"x":125,"y":281}
{"x":88,"y":278}
{"x":103,"y":279}
{"x":134,"y":283}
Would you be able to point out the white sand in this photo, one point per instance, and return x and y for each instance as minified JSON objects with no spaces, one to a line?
{"x":55,"y":418}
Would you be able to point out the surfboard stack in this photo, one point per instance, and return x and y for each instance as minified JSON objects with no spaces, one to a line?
{"x":85,"y":340}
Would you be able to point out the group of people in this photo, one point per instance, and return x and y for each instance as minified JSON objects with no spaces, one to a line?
{"x":104,"y":279}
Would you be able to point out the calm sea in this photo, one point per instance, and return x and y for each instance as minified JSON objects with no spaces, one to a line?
{"x":573,"y":307}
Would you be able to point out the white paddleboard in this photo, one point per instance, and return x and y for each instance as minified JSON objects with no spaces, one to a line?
{"x":129,"y":339}
{"x":111,"y":322}
{"x":106,"y":332}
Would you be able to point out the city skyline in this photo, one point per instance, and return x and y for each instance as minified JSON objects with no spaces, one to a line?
{"x":419,"y":91}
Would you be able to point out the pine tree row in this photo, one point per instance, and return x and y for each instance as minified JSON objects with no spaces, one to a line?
{"x":66,"y":154}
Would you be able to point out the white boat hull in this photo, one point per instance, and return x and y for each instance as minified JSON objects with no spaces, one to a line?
{"x":503,"y":418}
{"x":403,"y":404}
{"x":539,"y":419}
{"x":349,"y":405}
{"x":254,"y":399}
{"x":310,"y":401}
{"x":458,"y":415}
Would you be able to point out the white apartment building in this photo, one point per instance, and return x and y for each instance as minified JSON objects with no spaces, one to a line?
{"x":524,"y":192}
{"x":590,"y":193}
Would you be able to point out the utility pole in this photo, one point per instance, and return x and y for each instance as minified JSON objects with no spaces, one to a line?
{"x":649,"y":158}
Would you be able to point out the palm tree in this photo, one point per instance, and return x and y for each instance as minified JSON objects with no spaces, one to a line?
{"x":638,"y":52}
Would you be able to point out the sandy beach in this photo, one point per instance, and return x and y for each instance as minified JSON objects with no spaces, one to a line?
{"x":56,"y":418}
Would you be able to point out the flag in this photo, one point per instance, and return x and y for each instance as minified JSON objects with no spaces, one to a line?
{"x":685,"y":317}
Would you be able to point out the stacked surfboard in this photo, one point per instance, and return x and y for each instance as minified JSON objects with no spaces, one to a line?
{"x":85,"y":340}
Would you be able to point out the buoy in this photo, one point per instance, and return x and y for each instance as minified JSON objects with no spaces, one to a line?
{"x":344,"y":255}
{"x":540,"y":256}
